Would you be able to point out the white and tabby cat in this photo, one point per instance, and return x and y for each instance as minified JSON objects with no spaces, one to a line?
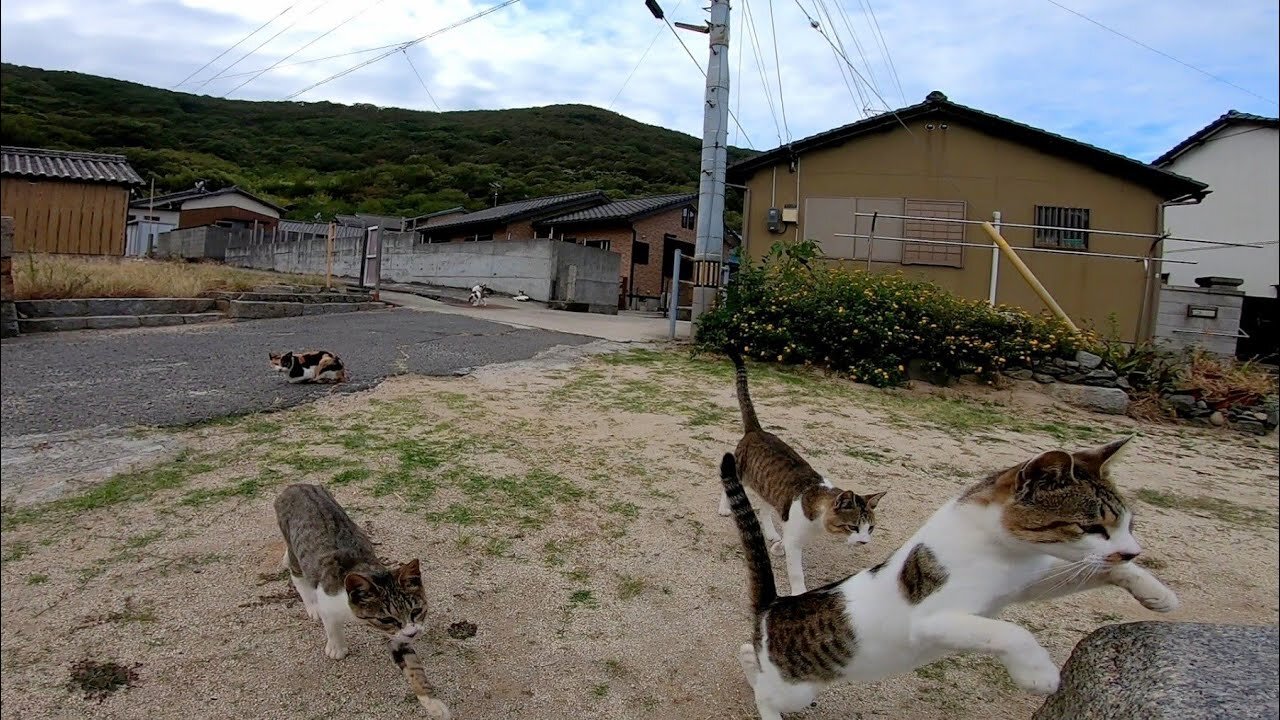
{"x":1052,"y":526}
{"x":340,"y":579}
{"x":309,"y":366}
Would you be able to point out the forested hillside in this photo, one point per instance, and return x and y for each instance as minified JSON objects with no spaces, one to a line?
{"x":327,"y":158}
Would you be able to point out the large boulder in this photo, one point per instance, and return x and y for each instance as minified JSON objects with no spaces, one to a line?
{"x":1159,"y":670}
{"x":1112,"y":401}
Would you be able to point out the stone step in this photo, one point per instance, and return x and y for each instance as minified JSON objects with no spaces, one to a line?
{"x":332,"y":297}
{"x":258,"y":309}
{"x":114,"y":322}
{"x":86,"y":307}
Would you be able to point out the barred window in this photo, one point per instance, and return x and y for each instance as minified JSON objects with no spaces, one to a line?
{"x":1066,"y":227}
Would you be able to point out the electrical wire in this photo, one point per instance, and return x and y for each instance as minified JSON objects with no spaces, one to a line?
{"x":777,"y":66}
{"x":421,"y":82}
{"x":1161,"y":53}
{"x":884,"y":45}
{"x":234,"y":46}
{"x":821,"y":8}
{"x":313,"y":41}
{"x":260,"y":46}
{"x":702,"y":70}
{"x":643,"y":55}
{"x":738,"y":74}
{"x":764,"y":81}
{"x":860,"y":101}
{"x":310,"y":61}
{"x":405,"y":46}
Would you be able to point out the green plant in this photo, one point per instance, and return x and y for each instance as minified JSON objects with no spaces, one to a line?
{"x":872,"y":325}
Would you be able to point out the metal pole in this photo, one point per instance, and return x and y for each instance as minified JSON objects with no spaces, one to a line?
{"x":715,"y":137}
{"x":995,"y":262}
{"x":871,"y":238}
{"x":328,"y":257}
{"x":673,"y":296}
{"x":377,"y":273}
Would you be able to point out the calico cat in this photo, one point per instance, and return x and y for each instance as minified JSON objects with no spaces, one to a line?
{"x":1052,"y":526}
{"x":478,"y":295}
{"x":340,"y":579}
{"x":802,"y":498}
{"x":319,"y":366}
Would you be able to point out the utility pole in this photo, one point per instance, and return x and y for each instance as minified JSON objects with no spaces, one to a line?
{"x":709,"y":247}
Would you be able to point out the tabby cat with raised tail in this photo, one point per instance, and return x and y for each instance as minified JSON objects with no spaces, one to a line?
{"x":340,"y":579}
{"x":1052,"y":526}
{"x":317,"y":366}
{"x":806,"y":503}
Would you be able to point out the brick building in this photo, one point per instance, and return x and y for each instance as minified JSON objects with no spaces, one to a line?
{"x":646,"y":232}
{"x":509,"y":221}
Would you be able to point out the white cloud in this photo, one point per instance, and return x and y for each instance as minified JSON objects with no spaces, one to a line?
{"x":1028,"y":60}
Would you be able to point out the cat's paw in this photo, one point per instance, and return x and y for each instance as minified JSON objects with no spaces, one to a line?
{"x":335,"y":652}
{"x":1037,"y":674}
{"x":436,"y":710}
{"x":313,"y":613}
{"x":1158,"y":599}
{"x":724,"y":509}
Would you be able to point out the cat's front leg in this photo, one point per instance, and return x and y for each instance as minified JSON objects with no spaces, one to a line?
{"x":791,"y":543}
{"x":1144,"y":587}
{"x":1027,"y":662}
{"x":335,"y":646}
{"x":725,"y":511}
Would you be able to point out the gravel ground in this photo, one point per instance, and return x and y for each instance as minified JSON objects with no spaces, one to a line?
{"x":569,"y":513}
{"x":171,"y":376}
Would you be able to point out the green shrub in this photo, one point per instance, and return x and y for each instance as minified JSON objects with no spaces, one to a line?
{"x":872,"y":325}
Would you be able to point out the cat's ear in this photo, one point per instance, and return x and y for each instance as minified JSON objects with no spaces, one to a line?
{"x":1097,"y":459}
{"x":1047,"y":470}
{"x":846,"y":500}
{"x":870,"y":501}
{"x":409,"y":575}
{"x":359,"y":588}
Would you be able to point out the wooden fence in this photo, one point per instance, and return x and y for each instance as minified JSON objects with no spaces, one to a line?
{"x":63,"y":217}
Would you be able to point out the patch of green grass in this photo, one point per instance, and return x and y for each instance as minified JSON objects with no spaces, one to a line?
{"x":706,"y":414}
{"x":122,"y":488}
{"x":614,"y":668}
{"x":16,"y":550}
{"x":358,"y":437}
{"x":625,"y":509}
{"x":601,"y":690}
{"x":583,"y":599}
{"x":555,"y":553}
{"x":243,"y":488}
{"x":872,"y":456}
{"x":630,"y":586}
{"x":1223,"y":510}
{"x":305,"y":464}
{"x":352,"y":476}
{"x":498,"y":547}
{"x":255,"y":425}
{"x":456,"y":401}
{"x":37,"y":579}
{"x":135,"y":542}
{"x":528,"y":499}
{"x":578,"y":575}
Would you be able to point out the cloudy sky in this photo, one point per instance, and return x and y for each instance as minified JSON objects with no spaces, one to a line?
{"x":1030,"y":60}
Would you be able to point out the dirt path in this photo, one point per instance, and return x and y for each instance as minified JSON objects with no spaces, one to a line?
{"x":570,"y":514}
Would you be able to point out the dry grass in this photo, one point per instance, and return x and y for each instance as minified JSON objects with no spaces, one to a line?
{"x":48,"y":277}
{"x":1228,"y":382}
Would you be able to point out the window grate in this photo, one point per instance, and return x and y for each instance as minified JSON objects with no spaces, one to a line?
{"x":1065,"y":227}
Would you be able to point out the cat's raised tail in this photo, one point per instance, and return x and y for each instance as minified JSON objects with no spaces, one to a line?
{"x":750,"y":422}
{"x":759,"y":568}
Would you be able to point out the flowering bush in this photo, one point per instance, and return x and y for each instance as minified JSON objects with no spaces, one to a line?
{"x":872,"y":325}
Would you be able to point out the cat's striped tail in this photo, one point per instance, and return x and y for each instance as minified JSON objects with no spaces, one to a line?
{"x":759,"y":568}
{"x":749,"y":420}
{"x":406,"y":658}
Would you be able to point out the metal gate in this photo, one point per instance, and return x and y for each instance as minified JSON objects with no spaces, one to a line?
{"x":371,"y":271}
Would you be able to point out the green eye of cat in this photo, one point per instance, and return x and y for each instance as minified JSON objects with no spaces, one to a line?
{"x":1096,"y":530}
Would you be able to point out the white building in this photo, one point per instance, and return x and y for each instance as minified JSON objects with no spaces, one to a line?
{"x":1238,"y":155}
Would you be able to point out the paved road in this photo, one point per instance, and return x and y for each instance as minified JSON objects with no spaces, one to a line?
{"x":169,"y":376}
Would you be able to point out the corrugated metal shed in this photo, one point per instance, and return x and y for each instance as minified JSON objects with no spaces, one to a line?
{"x":69,"y":166}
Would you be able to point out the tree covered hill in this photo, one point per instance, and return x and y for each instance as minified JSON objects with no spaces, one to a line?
{"x":328,"y":158}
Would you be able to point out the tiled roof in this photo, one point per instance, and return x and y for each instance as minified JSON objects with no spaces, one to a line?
{"x":63,"y":165}
{"x":365,"y":220}
{"x":622,"y":209}
{"x":524,"y":209}
{"x":174,"y":201}
{"x":316,"y":228}
{"x":1230,"y":117}
{"x":1168,"y":184}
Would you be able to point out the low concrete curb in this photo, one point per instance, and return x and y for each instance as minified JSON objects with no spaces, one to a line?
{"x":114,"y":322}
{"x":1164,"y":670}
{"x":258,"y":309}
{"x":113,"y":306}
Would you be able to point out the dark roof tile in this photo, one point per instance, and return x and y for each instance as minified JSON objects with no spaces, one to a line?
{"x":64,"y":165}
{"x":1230,"y":117}
{"x":523,"y":209}
{"x":627,"y":209}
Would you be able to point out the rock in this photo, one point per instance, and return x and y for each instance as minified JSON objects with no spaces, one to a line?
{"x":1251,"y":426}
{"x":1123,"y":384}
{"x":1182,"y":404}
{"x":1273,"y":418}
{"x":1112,"y":401}
{"x":1101,"y":374}
{"x":1019,"y":374}
{"x":1259,"y":416}
{"x":1165,"y":670}
{"x":1071,"y":364}
{"x":1042,"y":378}
{"x":1072,"y":377}
{"x":1216,"y":419}
{"x":1053,"y":370}
{"x":1088,"y":360}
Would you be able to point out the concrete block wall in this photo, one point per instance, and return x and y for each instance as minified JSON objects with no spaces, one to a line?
{"x":531,"y":266}
{"x":1176,"y":330}
{"x":8,"y":312}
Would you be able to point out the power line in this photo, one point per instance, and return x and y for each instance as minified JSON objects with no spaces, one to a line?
{"x":421,"y":82}
{"x":313,"y":41}
{"x":821,"y":8}
{"x":233,"y":47}
{"x":764,"y":81}
{"x":698,"y":65}
{"x":404,"y":46}
{"x":310,"y":61}
{"x":884,"y":46}
{"x":738,"y":74}
{"x":1161,"y":53}
{"x":861,"y":100}
{"x":777,"y":67}
{"x":260,"y":46}
{"x":643,"y":55}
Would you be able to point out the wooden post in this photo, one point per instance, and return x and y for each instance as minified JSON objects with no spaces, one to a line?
{"x":1027,"y":275}
{"x":328,"y":258}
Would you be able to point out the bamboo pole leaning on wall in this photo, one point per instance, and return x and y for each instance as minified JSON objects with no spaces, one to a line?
{"x":1029,"y":276}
